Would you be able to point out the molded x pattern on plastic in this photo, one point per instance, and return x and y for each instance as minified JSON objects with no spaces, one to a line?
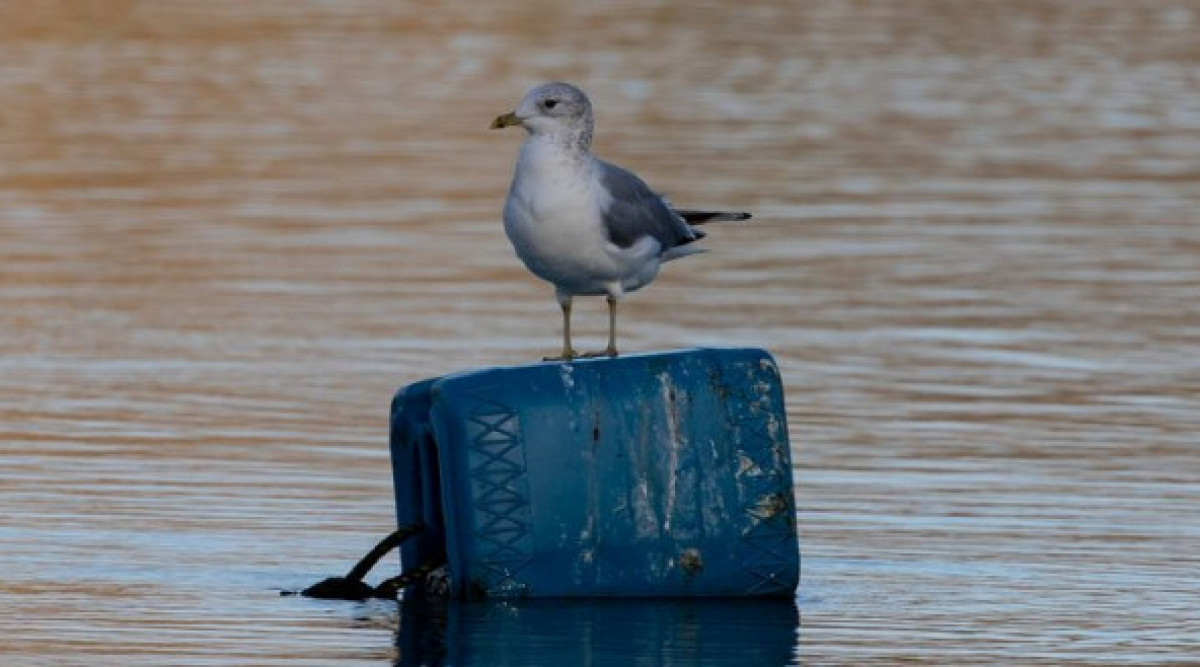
{"x":499,"y":491}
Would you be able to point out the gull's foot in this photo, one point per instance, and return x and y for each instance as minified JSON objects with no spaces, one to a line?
{"x":567,"y":356}
{"x":595,"y":355}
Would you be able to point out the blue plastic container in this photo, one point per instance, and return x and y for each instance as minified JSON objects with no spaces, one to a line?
{"x":646,"y":475}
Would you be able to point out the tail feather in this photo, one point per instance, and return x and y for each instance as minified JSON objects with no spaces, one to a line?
{"x":702,"y":217}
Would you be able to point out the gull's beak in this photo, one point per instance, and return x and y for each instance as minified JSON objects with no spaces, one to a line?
{"x":507,"y":120}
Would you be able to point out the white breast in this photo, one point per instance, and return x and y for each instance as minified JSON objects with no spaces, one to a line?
{"x":552,"y":218}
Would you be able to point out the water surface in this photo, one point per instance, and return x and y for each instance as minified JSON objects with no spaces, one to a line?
{"x":229,"y":231}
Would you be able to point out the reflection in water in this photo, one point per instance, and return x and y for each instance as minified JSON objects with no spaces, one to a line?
{"x":658,"y":633}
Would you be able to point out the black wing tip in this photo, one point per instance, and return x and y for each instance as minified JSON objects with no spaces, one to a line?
{"x":701,"y":217}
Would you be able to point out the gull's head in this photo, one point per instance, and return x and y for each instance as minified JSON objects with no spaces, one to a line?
{"x":557,"y":110}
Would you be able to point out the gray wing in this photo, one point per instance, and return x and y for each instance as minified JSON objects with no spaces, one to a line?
{"x":637,"y":211}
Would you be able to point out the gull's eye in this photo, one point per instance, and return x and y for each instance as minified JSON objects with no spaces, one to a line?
{"x":550,"y":104}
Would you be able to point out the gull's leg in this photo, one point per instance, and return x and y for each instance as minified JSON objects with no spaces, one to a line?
{"x":564,"y":302}
{"x":567,"y":352}
{"x":611,"y":350}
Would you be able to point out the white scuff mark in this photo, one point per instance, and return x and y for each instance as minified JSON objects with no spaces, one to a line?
{"x":643,"y":513}
{"x":773,"y":427}
{"x":716,"y":518}
{"x":747,"y":467}
{"x":667,"y":395}
{"x":567,"y":373}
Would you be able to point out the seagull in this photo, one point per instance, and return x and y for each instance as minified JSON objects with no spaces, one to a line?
{"x":586,"y":226}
